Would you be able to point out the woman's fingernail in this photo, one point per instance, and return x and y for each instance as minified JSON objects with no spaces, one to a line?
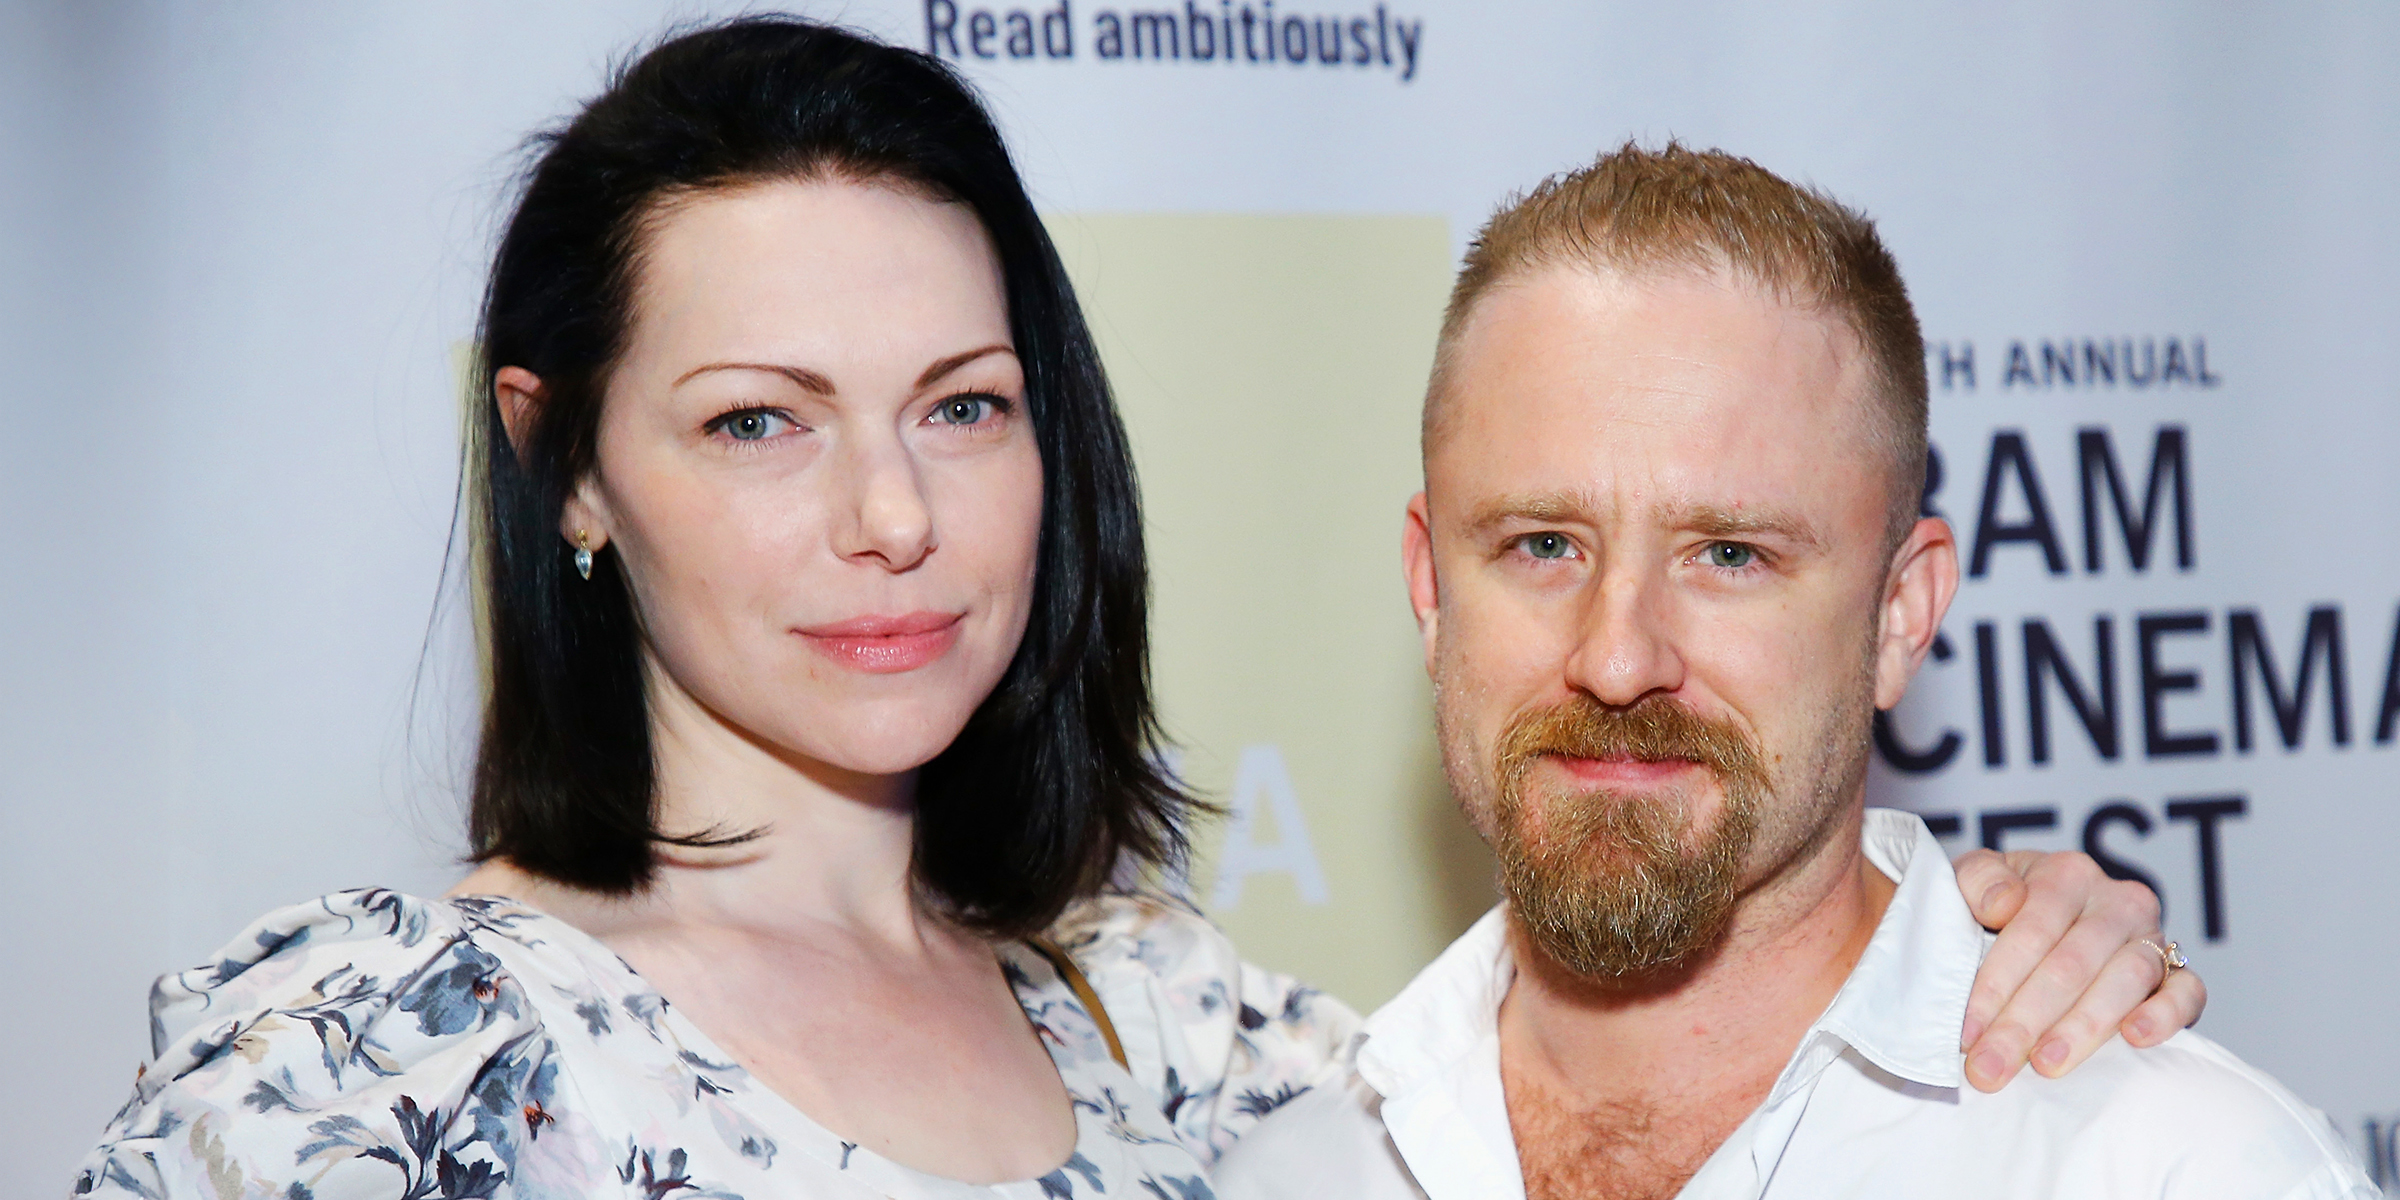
{"x":2142,"y":1028}
{"x":1991,"y":895}
{"x":1990,"y":1065}
{"x":1967,"y":1036}
{"x":2052,"y":1053}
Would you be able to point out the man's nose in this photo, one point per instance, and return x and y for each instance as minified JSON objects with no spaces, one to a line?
{"x":1627,"y":648}
{"x":884,"y":516}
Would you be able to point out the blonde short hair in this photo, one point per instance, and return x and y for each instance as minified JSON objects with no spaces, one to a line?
{"x":1706,"y":211}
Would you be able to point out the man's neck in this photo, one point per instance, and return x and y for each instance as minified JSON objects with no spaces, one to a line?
{"x":1676,"y":1062}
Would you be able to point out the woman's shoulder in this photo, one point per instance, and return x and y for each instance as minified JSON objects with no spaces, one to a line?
{"x":365,"y":1026}
{"x":1145,"y":929}
{"x":1160,"y":941}
{"x":355,"y":952}
{"x":1221,"y":1041}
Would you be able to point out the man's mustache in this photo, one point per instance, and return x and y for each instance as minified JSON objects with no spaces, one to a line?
{"x":1655,"y":728}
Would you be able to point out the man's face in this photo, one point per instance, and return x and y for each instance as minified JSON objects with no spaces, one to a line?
{"x":1652,"y":571}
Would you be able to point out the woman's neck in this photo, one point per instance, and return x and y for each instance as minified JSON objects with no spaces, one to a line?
{"x":828,"y":851}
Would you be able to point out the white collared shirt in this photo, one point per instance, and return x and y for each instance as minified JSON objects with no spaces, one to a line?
{"x":1874,"y":1101}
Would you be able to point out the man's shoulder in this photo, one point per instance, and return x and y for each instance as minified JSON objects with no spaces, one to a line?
{"x":2184,"y":1118}
{"x":2198,"y":1097}
{"x":1330,"y":1141}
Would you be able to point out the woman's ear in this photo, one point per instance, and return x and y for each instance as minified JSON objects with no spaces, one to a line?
{"x":583,"y":521}
{"x":519,"y":395}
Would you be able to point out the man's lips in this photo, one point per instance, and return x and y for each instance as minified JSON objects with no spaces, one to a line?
{"x":885,"y":645}
{"x":1620,"y":770}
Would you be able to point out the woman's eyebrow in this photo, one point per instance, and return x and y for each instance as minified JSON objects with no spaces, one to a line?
{"x":800,"y":375}
{"x":824,"y":387}
{"x":944,"y":366}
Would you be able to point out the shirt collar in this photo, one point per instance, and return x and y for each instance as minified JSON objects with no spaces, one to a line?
{"x":1443,"y":1014}
{"x":1905,"y":1001}
{"x":1901,"y":1008}
{"x":1433,"y":1054}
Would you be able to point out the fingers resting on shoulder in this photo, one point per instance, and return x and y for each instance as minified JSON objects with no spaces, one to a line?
{"x":2077,"y":961}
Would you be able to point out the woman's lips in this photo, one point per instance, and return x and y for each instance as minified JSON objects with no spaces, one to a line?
{"x":881,"y":645}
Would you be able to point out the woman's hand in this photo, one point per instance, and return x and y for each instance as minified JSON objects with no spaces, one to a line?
{"x":2070,"y":968}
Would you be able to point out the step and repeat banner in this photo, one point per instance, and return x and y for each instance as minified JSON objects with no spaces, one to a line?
{"x":2151,"y":245}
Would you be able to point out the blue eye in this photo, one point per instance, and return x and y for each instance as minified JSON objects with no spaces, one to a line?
{"x":751,"y":424}
{"x":967,"y":409}
{"x":1547,"y":545}
{"x":1732,"y":556}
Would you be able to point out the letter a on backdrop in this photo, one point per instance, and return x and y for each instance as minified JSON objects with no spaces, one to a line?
{"x":1262,"y":776}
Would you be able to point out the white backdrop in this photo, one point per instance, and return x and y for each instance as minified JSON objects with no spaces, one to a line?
{"x":243,"y":243}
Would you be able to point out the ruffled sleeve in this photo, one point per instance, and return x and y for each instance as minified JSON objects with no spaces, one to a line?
{"x":1219,"y":1042}
{"x":354,"y":1046}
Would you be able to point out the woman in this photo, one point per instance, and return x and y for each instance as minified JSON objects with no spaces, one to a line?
{"x":818,"y":721}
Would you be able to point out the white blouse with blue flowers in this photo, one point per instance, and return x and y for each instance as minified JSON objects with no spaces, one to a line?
{"x":371,"y":1044}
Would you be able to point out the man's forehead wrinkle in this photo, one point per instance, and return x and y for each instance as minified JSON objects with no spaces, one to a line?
{"x":1667,"y":375}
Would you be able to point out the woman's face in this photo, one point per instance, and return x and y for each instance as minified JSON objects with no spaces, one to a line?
{"x":816,"y":467}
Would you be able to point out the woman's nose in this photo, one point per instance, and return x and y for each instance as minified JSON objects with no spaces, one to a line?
{"x":889,"y":518}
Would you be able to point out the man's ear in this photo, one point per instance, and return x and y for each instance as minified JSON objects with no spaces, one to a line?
{"x":1919,"y":587}
{"x":1416,"y":560}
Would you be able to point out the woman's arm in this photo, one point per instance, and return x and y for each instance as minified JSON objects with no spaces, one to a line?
{"x":2075,"y":964}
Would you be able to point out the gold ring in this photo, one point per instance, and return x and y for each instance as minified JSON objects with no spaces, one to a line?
{"x":2170,"y":957}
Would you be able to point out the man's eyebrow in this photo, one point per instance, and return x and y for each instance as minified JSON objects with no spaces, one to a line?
{"x":800,"y":375}
{"x":1712,"y":521}
{"x":941,"y":367}
{"x":1538,"y":507}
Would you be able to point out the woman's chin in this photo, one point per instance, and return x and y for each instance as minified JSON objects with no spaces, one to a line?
{"x":875,"y":743}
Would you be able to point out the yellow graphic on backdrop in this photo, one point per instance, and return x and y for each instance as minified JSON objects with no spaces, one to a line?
{"x":1270,"y":369}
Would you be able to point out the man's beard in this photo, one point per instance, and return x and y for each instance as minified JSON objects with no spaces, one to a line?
{"x":1614,"y":886}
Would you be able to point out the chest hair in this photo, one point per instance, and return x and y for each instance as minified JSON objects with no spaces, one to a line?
{"x":1630,"y":1149}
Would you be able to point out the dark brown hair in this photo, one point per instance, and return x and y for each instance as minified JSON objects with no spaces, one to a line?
{"x":1054,"y":780}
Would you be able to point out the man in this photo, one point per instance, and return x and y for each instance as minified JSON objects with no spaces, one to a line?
{"x":1667,"y":564}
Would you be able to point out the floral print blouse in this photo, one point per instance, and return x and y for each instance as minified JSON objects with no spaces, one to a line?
{"x":372,"y":1044}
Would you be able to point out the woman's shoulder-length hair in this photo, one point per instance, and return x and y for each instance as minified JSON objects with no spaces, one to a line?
{"x":1055,"y":780}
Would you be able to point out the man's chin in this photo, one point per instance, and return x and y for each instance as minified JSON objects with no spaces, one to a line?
{"x":1616,"y":887}
{"x":1620,"y":934}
